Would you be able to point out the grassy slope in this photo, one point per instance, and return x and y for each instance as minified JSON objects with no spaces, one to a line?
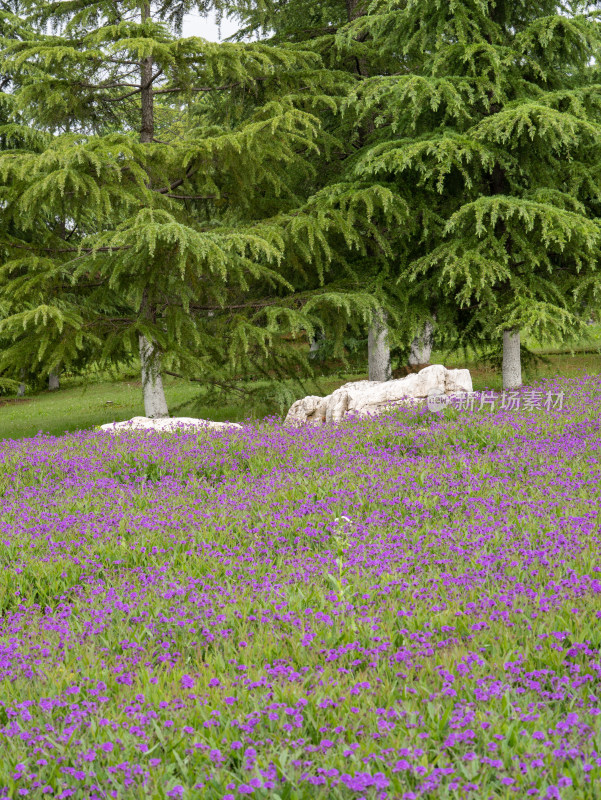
{"x":80,"y":407}
{"x":77,"y":406}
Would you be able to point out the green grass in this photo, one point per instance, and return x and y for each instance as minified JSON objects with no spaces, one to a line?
{"x":80,"y":405}
{"x":559,"y":365}
{"x":77,"y":407}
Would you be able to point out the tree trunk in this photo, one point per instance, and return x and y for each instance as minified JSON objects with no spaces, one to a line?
{"x":146,"y":93}
{"x":155,"y":404}
{"x":421,"y":346}
{"x":21,"y":389}
{"x":378,"y":350}
{"x":53,"y":381}
{"x":512,"y":365}
{"x":315,"y":343}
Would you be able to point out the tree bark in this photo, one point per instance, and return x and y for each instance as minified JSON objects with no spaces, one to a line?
{"x":155,"y":404}
{"x":53,"y":381}
{"x":421,"y":346}
{"x":146,"y":94}
{"x":378,"y":349}
{"x":21,"y":388}
{"x":512,"y":365}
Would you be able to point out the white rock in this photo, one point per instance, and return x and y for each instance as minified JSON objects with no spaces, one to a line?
{"x":364,"y":398}
{"x":167,"y":424}
{"x":304,"y":408}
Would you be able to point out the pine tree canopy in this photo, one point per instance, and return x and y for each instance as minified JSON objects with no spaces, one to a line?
{"x":166,"y":195}
{"x":489,"y":128}
{"x":316,"y":26}
{"x":203,"y":204}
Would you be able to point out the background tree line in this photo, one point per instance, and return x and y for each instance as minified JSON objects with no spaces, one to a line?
{"x":415,"y":170}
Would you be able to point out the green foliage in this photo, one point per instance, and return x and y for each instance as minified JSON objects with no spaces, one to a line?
{"x":490,"y":131}
{"x":481,"y":120}
{"x":227,"y":200}
{"x":215,"y":242}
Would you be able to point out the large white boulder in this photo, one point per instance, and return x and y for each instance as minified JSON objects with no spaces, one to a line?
{"x":167,"y":424}
{"x":364,"y":398}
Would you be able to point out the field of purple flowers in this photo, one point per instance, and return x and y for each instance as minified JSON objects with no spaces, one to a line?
{"x":401,"y":608}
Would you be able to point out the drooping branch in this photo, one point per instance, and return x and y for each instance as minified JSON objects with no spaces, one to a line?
{"x":195,"y":196}
{"x":85,"y":250}
{"x":178,"y":182}
{"x":223,"y":88}
{"x":222,"y":384}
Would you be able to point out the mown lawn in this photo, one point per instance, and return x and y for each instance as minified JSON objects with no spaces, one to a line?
{"x":82,"y":405}
{"x":85,"y":405}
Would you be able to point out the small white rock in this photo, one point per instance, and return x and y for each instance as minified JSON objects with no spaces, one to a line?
{"x":167,"y":424}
